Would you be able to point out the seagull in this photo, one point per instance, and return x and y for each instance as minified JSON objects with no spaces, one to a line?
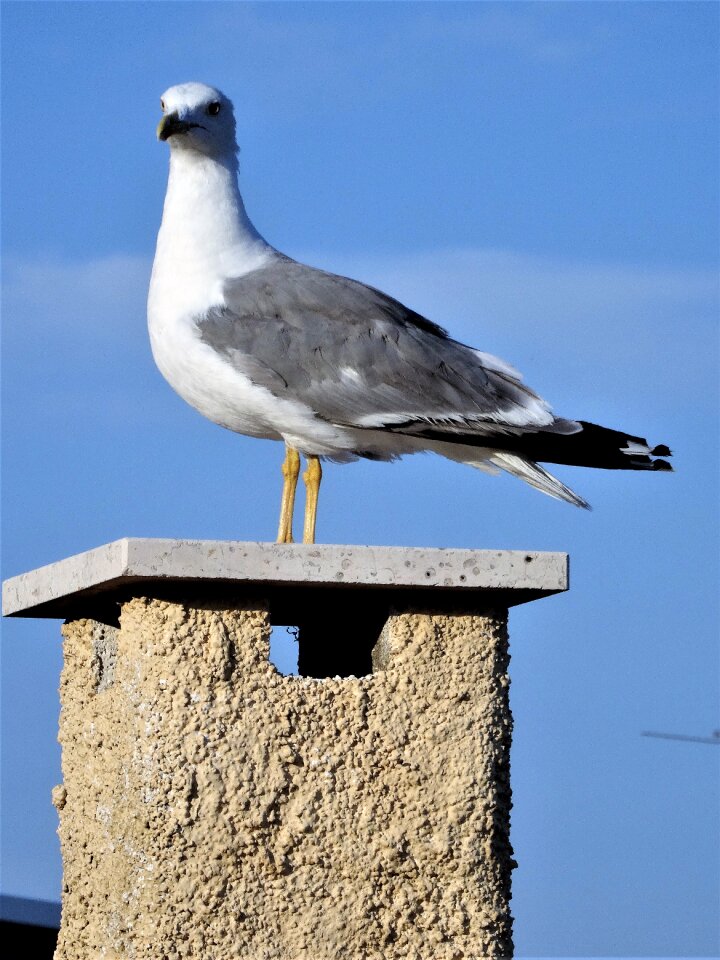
{"x":269,"y":347}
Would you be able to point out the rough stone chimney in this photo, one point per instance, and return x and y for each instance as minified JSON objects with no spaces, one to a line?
{"x":215,"y":809}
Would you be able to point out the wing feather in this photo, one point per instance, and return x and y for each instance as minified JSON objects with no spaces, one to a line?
{"x":359,"y":358}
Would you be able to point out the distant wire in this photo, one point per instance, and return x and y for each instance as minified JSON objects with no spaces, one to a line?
{"x":715,"y":738}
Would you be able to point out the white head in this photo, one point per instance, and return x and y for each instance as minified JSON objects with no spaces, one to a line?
{"x":200,"y":118}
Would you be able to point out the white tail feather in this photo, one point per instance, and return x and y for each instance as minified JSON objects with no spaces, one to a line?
{"x":537,"y":477}
{"x":483,"y":465}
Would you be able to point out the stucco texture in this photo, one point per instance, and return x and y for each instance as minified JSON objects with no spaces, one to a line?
{"x":215,"y":809}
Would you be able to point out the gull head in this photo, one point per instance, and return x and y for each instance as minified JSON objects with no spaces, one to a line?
{"x":197,"y":118}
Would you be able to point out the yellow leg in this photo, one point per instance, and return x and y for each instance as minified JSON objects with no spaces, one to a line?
{"x":290,"y":472}
{"x":312,"y":478}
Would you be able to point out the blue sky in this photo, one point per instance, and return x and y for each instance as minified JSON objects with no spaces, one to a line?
{"x":539,"y":178}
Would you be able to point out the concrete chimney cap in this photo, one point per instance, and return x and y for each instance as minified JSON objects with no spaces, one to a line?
{"x":133,"y":565}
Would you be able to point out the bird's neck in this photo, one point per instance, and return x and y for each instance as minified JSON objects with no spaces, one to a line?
{"x":204,"y":219}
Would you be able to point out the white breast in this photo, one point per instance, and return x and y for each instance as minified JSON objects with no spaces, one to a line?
{"x":204,"y":240}
{"x":208,"y":381}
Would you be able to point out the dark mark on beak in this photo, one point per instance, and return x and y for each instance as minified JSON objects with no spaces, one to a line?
{"x":172,"y":124}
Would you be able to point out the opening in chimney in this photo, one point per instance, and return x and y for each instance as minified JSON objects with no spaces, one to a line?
{"x":284,"y":648}
{"x":332,"y":634}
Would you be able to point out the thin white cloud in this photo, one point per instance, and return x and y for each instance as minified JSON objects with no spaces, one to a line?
{"x":96,"y":296}
{"x":595,"y":332}
{"x":75,"y":346}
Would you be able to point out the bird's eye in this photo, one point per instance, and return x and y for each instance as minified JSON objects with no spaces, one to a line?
{"x":214,"y":108}
{"x":162,"y":104}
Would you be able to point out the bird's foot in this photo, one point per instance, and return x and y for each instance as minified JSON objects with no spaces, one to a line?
{"x":312,"y":478}
{"x":290,"y":472}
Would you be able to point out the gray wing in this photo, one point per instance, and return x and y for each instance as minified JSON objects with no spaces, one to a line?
{"x":359,"y":358}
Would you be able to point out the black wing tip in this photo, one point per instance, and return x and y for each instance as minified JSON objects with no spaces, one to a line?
{"x":645,"y":462}
{"x":661,"y":450}
{"x":641,"y":462}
